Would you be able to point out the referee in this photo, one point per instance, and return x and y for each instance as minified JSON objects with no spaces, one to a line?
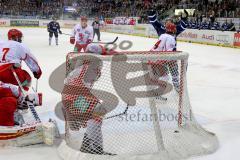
{"x":96,"y":28}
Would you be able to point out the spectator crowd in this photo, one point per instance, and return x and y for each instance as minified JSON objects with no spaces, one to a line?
{"x":206,"y":9}
{"x":30,"y":8}
{"x":221,"y":8}
{"x":211,"y":25}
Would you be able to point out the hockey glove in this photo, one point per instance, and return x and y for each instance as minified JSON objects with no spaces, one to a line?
{"x":34,"y":98}
{"x":72,"y":40}
{"x":152,"y":13}
{"x":22,"y":103}
{"x":60,"y":32}
{"x":89,"y":41}
{"x":38,"y":74}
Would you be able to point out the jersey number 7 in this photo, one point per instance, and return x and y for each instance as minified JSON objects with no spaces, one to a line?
{"x":5,"y":52}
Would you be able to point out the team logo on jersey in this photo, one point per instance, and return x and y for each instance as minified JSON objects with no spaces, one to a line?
{"x":78,"y":30}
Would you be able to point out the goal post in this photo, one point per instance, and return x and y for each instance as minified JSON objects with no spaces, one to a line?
{"x":158,"y":122}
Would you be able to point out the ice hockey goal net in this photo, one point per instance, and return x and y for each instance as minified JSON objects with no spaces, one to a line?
{"x":133,"y":105}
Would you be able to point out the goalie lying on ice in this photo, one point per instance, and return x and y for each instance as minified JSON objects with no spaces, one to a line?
{"x":82,"y":108}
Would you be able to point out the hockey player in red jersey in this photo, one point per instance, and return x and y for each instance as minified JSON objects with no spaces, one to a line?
{"x":12,"y":53}
{"x":82,"y":35}
{"x":82,"y":108}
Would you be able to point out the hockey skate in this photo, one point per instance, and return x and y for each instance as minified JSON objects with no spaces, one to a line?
{"x":89,"y":146}
{"x":56,"y":39}
{"x":50,"y":41}
{"x":160,"y":97}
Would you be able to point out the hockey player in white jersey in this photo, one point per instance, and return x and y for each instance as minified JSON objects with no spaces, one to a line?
{"x":12,"y":53}
{"x":82,"y":35}
{"x":14,"y":96}
{"x":166,"y":43}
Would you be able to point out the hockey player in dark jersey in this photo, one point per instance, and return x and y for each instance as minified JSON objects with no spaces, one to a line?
{"x":204,"y":25}
{"x":160,"y":28}
{"x":215,"y":26}
{"x":224,"y":26}
{"x":231,"y":26}
{"x":53,"y":28}
{"x":193,"y":24}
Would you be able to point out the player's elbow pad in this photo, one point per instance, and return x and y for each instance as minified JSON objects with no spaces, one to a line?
{"x":72,"y":40}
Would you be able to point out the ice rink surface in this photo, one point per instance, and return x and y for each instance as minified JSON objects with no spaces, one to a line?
{"x":213,"y":84}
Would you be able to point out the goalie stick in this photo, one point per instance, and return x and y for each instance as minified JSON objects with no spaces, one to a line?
{"x":118,"y":115}
{"x":30,"y":105}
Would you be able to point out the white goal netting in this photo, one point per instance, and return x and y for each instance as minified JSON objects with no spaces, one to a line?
{"x":133,"y":105}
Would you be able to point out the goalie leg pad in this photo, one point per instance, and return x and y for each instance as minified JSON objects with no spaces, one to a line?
{"x":94,"y":131}
{"x":93,"y":138}
{"x":49,"y":133}
{"x":28,"y":134}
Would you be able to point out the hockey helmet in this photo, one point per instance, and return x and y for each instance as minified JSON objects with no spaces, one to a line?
{"x":15,"y":34}
{"x":84,"y":18}
{"x":170,"y":27}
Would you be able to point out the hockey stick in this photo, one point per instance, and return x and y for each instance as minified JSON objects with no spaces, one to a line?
{"x":30,"y":105}
{"x":114,"y":41}
{"x":118,"y":115}
{"x":36,"y":89}
{"x":61,"y":33}
{"x":66,"y":34}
